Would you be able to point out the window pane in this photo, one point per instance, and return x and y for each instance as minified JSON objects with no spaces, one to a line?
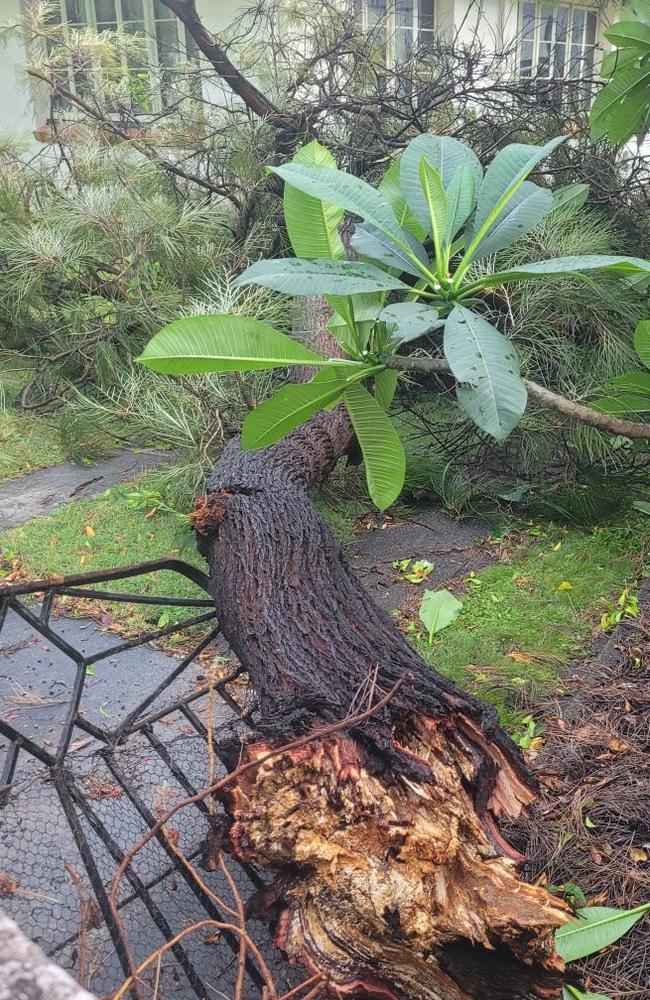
{"x":575,"y":62}
{"x":527,"y":20}
{"x":526,"y":60}
{"x":105,"y":11}
{"x":76,"y":12}
{"x":544,"y":59}
{"x":561,"y":23}
{"x":591,"y":27}
{"x":546,"y":23}
{"x":578,"y":26}
{"x":132,"y":10}
{"x":169,"y":51}
{"x":161,"y":12}
{"x":558,"y":59}
{"x":404,"y":13}
{"x":426,"y":18}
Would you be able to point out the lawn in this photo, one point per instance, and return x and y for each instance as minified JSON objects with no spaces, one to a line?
{"x":27,"y":443}
{"x":528,"y":618}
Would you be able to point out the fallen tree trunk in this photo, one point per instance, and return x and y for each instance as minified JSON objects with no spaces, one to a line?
{"x":394,"y":880}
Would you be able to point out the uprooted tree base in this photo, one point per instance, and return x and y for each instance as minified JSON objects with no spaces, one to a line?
{"x":393,"y":879}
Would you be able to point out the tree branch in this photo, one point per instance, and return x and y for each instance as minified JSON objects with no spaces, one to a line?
{"x":254,"y":99}
{"x":544,"y":397}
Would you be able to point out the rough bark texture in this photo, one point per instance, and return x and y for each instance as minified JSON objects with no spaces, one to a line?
{"x":395,"y":881}
{"x":25,"y":972}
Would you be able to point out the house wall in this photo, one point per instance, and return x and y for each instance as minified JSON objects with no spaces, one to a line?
{"x":16,"y":113}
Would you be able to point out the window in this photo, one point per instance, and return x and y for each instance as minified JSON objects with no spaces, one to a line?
{"x":164,"y":41}
{"x":401,"y":25}
{"x":557,"y":41}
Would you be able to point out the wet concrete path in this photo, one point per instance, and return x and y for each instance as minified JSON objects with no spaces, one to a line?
{"x":44,"y":490}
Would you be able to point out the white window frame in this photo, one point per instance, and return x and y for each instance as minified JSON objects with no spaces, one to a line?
{"x":150,"y":40}
{"x":537,"y":40}
{"x":393,"y":29}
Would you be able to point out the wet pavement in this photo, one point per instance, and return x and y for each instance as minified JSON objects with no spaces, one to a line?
{"x":44,"y":490}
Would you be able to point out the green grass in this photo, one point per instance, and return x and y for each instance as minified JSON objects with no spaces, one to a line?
{"x":522,"y":605}
{"x":27,"y":443}
{"x":104,"y":532}
{"x":125,"y":524}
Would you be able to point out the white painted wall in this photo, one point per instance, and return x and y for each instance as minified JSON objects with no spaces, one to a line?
{"x":16,"y":113}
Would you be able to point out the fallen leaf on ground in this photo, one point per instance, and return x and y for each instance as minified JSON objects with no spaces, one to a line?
{"x":520,"y":657}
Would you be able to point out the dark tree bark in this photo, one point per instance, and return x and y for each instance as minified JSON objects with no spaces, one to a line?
{"x":395,"y":881}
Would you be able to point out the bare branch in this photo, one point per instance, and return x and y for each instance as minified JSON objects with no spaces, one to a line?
{"x":253,"y":98}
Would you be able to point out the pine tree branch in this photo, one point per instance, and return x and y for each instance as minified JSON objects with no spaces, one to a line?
{"x":543,"y":397}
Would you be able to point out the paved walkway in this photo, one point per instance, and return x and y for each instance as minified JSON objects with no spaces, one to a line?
{"x":43,"y":491}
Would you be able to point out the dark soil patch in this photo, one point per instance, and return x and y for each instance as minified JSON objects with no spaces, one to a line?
{"x":454,"y":547}
{"x":592,"y":824}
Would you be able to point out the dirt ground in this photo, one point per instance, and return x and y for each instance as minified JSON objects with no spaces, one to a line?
{"x":591,"y":827}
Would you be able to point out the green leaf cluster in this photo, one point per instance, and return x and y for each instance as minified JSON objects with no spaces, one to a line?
{"x":630,"y":392}
{"x":622,"y":108}
{"x":424,"y":243}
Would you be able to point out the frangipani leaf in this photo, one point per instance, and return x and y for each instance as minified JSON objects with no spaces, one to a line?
{"x":486,"y":365}
{"x":344,"y":190}
{"x":292,"y":405}
{"x":391,"y":189}
{"x":368,"y":241}
{"x":525,"y":210}
{"x":312,"y":224}
{"x":436,"y":199}
{"x":382,"y":449}
{"x":571,"y":196}
{"x":594,"y":928}
{"x":385,"y":387}
{"x":461,"y":198}
{"x":611,"y":108}
{"x":409,"y":320}
{"x":439,"y":608}
{"x":503,"y":178}
{"x":566,"y":267}
{"x":446,"y":156}
{"x":296,"y":276}
{"x":221,"y":343}
{"x":629,"y":34}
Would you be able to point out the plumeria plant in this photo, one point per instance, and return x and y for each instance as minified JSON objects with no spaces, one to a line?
{"x":425,"y":250}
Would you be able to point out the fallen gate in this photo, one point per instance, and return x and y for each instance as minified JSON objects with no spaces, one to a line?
{"x":74,"y":802}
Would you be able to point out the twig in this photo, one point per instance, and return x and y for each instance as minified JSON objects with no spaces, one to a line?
{"x":318,"y":979}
